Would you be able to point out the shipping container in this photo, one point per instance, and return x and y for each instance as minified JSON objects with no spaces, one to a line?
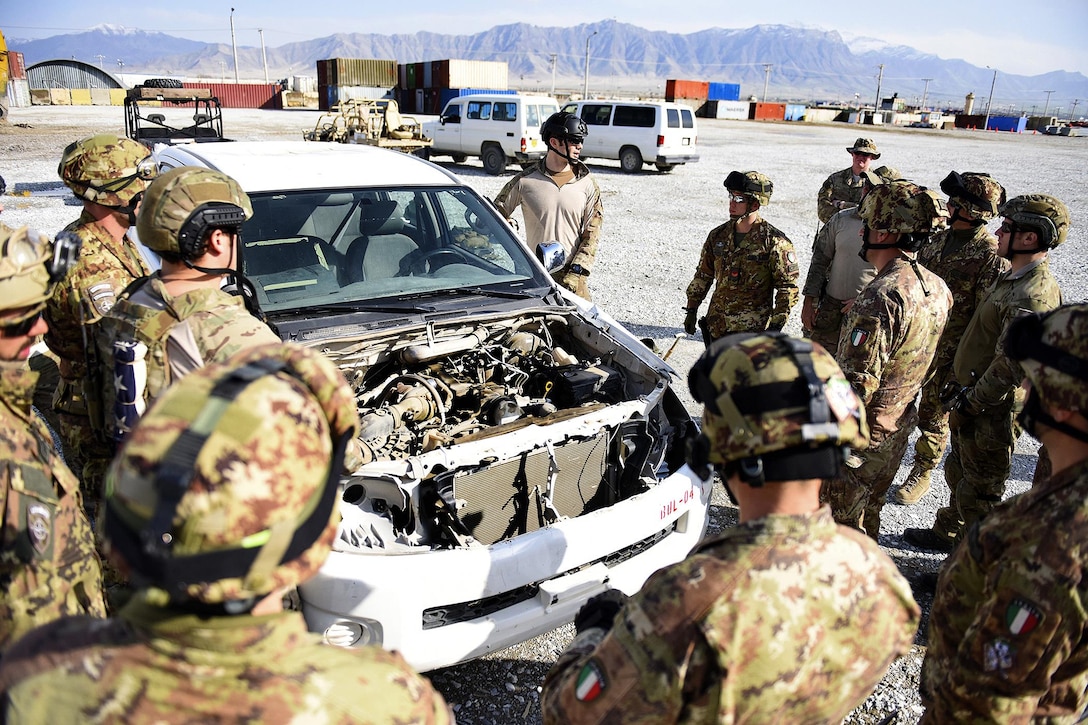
{"x":322,"y":73}
{"x":676,"y":90}
{"x":732,"y":110}
{"x":455,"y":73}
{"x":723,"y":91}
{"x":349,"y":93}
{"x":16,"y":65}
{"x":767,"y":112}
{"x":360,"y":72}
{"x":970,"y":121}
{"x":244,"y":95}
{"x":1014,"y":124}
{"x":303,"y":84}
{"x":795,"y":111}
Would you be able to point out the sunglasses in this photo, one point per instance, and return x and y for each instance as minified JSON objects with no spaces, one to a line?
{"x":738,"y":198}
{"x":20,"y":329}
{"x":1007,"y":228}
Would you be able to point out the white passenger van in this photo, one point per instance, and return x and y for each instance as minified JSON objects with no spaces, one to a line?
{"x":499,"y":128}
{"x":638,"y":132}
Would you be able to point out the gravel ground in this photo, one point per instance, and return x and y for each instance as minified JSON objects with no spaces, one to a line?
{"x":654,"y":226}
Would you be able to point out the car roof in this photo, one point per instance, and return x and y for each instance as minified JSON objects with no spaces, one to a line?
{"x":277,"y":165}
{"x":501,"y":96}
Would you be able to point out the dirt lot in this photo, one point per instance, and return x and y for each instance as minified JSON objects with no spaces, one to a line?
{"x":654,"y":226}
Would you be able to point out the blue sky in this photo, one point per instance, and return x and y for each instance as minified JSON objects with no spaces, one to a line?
{"x":1013,"y":36}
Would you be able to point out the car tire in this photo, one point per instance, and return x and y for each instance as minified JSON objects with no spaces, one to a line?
{"x":162,"y":83}
{"x":423,"y":153}
{"x":494,"y":160}
{"x":630,"y":160}
{"x":459,"y":158}
{"x":665,"y":168}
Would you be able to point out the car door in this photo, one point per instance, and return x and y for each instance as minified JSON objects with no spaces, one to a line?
{"x":447,"y":135}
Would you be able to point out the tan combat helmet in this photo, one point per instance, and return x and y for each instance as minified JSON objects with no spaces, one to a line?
{"x":977,"y":194}
{"x":1043,"y":214}
{"x":227,"y":488}
{"x":30,"y":267}
{"x":1052,"y":348}
{"x":903,"y":207}
{"x":769,"y":396}
{"x":752,"y":183}
{"x":184,"y":203}
{"x":108,"y":170}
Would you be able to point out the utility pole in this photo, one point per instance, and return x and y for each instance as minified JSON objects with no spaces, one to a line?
{"x":233,"y":45}
{"x":766,"y":77}
{"x":986,"y":123}
{"x":100,"y":59}
{"x":879,"y":79}
{"x":585,"y":89}
{"x":1073,"y":113}
{"x":925,"y":93}
{"x":1047,"y":105}
{"x":554,"y":56}
{"x":264,"y":56}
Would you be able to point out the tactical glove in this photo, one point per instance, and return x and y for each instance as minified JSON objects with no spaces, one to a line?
{"x":690,"y":323}
{"x":600,"y":611}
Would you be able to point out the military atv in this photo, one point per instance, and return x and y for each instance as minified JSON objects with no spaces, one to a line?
{"x":158,"y":112}
{"x":370,"y":122}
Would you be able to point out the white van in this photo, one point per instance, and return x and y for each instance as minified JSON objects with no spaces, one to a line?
{"x":499,"y":128}
{"x":638,"y":132}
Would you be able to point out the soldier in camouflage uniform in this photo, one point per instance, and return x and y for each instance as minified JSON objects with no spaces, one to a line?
{"x":1006,"y":633}
{"x":965,"y":256}
{"x":192,"y":218}
{"x":983,"y":422}
{"x":888,"y":341}
{"x":221,"y":501}
{"x":785,"y":618}
{"x":751,"y":264}
{"x":837,"y":272}
{"x":48,"y":563}
{"x":843,"y":189}
{"x":109,"y":174}
{"x":560,"y":201}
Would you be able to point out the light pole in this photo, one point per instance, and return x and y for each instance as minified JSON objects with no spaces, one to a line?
{"x":554,"y":56}
{"x":1047,"y":105}
{"x":585,"y":88}
{"x":264,"y":56}
{"x":879,"y":79}
{"x":766,"y":77}
{"x":925,"y":93}
{"x":986,"y":123}
{"x":233,"y":45}
{"x":1073,"y":113}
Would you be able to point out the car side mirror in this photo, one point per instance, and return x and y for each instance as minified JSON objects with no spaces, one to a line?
{"x":551,"y":255}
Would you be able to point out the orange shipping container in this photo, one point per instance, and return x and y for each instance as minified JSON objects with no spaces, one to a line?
{"x":16,"y":65}
{"x":768,"y":112}
{"x":698,"y":90}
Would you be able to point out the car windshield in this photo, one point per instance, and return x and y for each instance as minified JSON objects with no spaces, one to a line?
{"x":304,"y":248}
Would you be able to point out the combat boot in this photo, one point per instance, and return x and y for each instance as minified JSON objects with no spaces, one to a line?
{"x":916,"y":485}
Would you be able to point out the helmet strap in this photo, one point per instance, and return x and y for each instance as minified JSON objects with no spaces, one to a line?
{"x":1033,"y":414}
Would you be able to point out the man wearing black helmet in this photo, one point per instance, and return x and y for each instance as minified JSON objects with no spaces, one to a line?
{"x":751,"y":264}
{"x":982,"y":419}
{"x":560,"y":201}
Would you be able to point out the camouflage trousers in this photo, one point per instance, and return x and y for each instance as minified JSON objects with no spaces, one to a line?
{"x":87,"y":456}
{"x":857,"y":496}
{"x":932,"y":420}
{"x":978,"y":464}
{"x":827,"y":326}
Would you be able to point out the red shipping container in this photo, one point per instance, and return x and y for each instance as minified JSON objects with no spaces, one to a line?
{"x":16,"y":65}
{"x":244,"y":95}
{"x":322,"y":72}
{"x":697,"y":90}
{"x":768,"y":112}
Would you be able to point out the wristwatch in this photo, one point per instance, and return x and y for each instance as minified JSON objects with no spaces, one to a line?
{"x":579,"y":269}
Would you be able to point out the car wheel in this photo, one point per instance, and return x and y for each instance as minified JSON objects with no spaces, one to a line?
{"x":162,"y":83}
{"x":494,"y":160}
{"x":630,"y":160}
{"x":459,"y":158}
{"x":665,"y":168}
{"x":423,"y":153}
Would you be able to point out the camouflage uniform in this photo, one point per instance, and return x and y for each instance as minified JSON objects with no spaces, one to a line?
{"x":835,"y":275}
{"x":967,"y":261}
{"x":781,"y":619}
{"x":568,"y":212}
{"x":841,"y":186}
{"x":980,"y":459}
{"x":1006,"y":635}
{"x":151,"y":664}
{"x":50,"y":568}
{"x":755,"y":277}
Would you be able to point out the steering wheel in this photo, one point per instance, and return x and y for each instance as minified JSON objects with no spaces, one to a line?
{"x":417,"y":263}
{"x":476,"y":222}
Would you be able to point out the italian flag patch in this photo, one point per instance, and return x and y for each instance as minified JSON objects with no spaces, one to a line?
{"x":859,"y":337}
{"x":1022,"y":616}
{"x":590,"y":682}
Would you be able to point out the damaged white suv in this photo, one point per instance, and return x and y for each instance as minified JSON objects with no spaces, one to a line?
{"x":522,"y":450}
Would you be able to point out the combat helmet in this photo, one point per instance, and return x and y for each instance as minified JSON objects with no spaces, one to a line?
{"x":107,"y":169}
{"x":904,"y":208}
{"x":881,"y":175}
{"x":226,"y":489}
{"x":30,"y":268}
{"x":776,"y":404}
{"x":184,"y":203}
{"x":565,"y":126}
{"x":977,"y":194}
{"x":1043,"y":214}
{"x":752,"y":183}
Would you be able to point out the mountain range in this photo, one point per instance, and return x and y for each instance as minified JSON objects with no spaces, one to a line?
{"x":796,"y":63}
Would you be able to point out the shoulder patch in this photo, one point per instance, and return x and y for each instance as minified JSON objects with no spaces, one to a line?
{"x":1022,"y":616}
{"x":102,"y":297}
{"x":591,"y":682}
{"x":999,"y":655}
{"x":859,"y":337}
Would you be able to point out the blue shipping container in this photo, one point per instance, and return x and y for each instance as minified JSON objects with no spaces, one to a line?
{"x":1007,"y":123}
{"x":723,"y":92}
{"x":795,"y":112}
